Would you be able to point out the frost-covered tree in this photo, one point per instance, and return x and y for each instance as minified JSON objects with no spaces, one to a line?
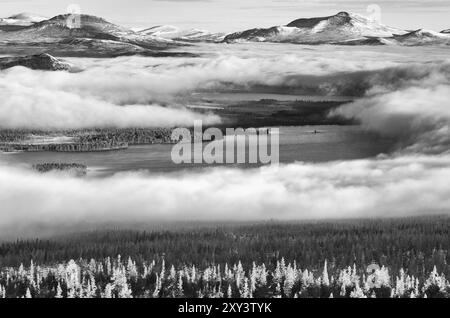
{"x":117,"y":278}
{"x":325,"y":278}
{"x":108,"y":292}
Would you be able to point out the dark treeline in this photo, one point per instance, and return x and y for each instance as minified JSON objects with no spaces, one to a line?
{"x":131,"y":136}
{"x":92,"y":136}
{"x":415,"y":244}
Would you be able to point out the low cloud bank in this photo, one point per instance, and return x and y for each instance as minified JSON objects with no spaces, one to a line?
{"x":403,"y":186}
{"x":137,"y":80}
{"x":418,"y":114}
{"x":39,"y":107}
{"x":126,"y":91}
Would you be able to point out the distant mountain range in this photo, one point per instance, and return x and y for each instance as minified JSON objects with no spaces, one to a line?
{"x":33,"y":34}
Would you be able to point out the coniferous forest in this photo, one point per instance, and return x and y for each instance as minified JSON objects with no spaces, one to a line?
{"x":356,"y":258}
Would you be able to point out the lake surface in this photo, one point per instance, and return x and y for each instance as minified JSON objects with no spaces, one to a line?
{"x":242,"y":97}
{"x":306,"y":143}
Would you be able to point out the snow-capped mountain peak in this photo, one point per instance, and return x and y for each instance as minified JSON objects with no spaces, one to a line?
{"x":343,"y":26}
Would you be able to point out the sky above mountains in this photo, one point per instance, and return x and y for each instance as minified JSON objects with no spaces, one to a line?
{"x":233,"y":15}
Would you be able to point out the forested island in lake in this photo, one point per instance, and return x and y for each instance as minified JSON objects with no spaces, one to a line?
{"x":84,"y":140}
{"x":78,"y":169}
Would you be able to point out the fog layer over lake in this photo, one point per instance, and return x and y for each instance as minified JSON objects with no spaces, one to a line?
{"x":400,"y":94}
